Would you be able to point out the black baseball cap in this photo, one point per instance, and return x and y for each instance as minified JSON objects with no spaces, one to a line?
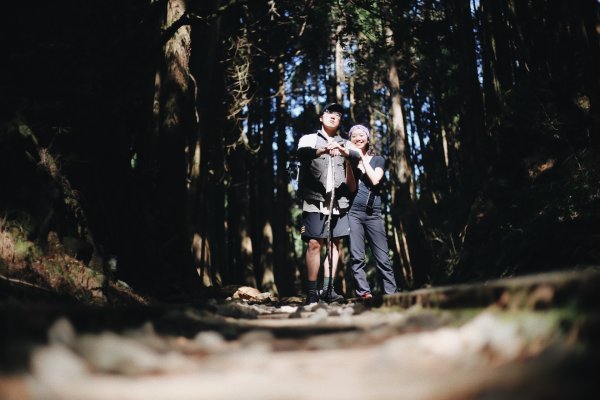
{"x":333,"y":107}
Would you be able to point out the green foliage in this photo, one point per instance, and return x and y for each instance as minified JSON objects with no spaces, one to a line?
{"x":23,"y":249}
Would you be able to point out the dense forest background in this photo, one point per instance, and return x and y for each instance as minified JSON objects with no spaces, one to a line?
{"x":152,"y":141}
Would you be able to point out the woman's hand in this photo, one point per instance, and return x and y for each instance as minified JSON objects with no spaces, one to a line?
{"x":374,"y":175}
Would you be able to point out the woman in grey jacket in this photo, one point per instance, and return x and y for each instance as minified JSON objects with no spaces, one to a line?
{"x":365,"y":218}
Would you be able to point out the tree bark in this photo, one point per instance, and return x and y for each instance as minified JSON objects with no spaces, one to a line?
{"x":206,"y":195}
{"x":165,"y":162}
{"x":284,"y":271}
{"x":240,"y":239}
{"x":267,"y":196}
{"x":404,"y":211}
{"x":339,"y":66}
{"x":472,"y":131}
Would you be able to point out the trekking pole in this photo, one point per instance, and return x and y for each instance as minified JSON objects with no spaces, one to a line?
{"x":330,"y":230}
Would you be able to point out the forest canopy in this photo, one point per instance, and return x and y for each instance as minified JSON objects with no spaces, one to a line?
{"x":153,"y":141}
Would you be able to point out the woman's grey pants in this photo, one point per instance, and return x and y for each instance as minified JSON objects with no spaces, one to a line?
{"x":362,"y":223}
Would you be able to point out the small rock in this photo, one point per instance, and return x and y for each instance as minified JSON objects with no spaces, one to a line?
{"x":260,"y":339}
{"x":319,"y":315}
{"x":209,"y":341}
{"x":297,"y":313}
{"x":236,"y":309}
{"x":348,"y":310}
{"x":251,"y":294}
{"x":109,"y":352}
{"x":288,"y":309}
{"x":57,"y":365}
{"x":61,"y":332}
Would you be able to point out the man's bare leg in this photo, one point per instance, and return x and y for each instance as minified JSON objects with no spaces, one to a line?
{"x":313,"y":263}
{"x":313,"y":258}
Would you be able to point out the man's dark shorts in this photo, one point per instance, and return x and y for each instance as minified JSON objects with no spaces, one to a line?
{"x":314,"y":225}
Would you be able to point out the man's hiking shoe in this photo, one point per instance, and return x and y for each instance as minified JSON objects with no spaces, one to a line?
{"x":331,"y":297}
{"x":311,"y":297}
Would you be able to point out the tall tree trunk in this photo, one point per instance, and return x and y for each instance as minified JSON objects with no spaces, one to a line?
{"x":339,"y":65}
{"x":239,"y":226}
{"x":474,"y":140}
{"x":214,"y":189}
{"x":403,"y":193}
{"x":206,"y":191}
{"x":491,"y":82}
{"x":400,"y":151}
{"x":165,"y":162}
{"x":501,"y":48}
{"x":441,"y":153}
{"x":266,"y":196}
{"x":522,"y":24}
{"x":284,"y":271}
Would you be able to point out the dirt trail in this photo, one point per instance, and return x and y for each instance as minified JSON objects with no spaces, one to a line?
{"x":239,"y":350}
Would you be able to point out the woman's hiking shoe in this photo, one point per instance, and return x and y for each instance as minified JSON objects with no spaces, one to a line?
{"x":366,"y":296}
{"x":331,"y":296}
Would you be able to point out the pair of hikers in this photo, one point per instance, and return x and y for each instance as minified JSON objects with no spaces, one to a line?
{"x":339,"y":185}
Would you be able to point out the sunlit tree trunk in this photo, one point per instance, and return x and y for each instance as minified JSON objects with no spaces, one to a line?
{"x":402,"y":169}
{"x":265,"y":195}
{"x":403,"y":194}
{"x":206,"y":193}
{"x":164,"y":165}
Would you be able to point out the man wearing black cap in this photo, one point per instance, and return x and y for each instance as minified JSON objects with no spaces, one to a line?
{"x":323,"y":173}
